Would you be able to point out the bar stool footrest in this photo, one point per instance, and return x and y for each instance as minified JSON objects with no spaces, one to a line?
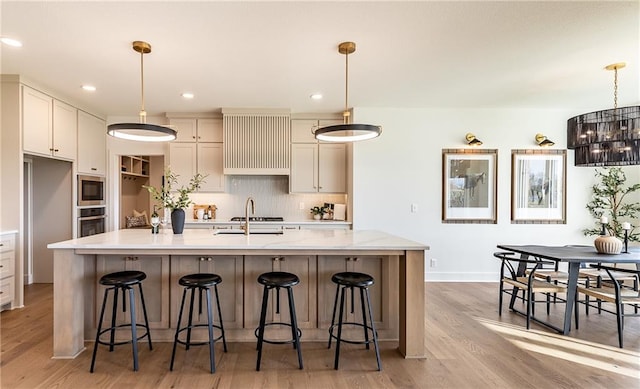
{"x":349,"y":340}
{"x":289,"y":341}
{"x":108,"y":343}
{"x":199,"y":343}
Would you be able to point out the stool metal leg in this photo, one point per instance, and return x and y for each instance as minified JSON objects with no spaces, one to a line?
{"x":373,"y":329}
{"x":263,"y":317}
{"x":364,"y":316}
{"x":224,"y":340}
{"x":212,"y":357}
{"x":175,"y":339}
{"x":339,"y":338}
{"x":294,"y":326}
{"x":134,"y":329}
{"x":333,"y":315}
{"x":190,"y":319}
{"x":146,"y":319}
{"x":113,"y":317}
{"x":95,"y":346}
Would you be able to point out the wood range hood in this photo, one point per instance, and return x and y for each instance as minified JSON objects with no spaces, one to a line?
{"x":256,"y":141}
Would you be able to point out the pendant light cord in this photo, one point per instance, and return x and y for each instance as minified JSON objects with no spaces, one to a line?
{"x":615,"y":88}
{"x":143,"y":113}
{"x":346,"y":113}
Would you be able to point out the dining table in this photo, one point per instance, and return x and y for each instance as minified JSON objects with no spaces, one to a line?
{"x":576,"y":256}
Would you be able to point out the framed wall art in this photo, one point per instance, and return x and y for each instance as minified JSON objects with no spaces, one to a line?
{"x":469,"y":186}
{"x":538,"y":186}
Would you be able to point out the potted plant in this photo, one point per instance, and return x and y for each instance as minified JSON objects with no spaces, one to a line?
{"x":610,"y":202}
{"x":317,"y":212}
{"x":175,"y":200}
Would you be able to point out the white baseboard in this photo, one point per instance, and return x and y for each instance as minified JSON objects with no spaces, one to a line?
{"x":431,"y":276}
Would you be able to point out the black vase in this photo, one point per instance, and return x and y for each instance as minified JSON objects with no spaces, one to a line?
{"x":177,"y":220}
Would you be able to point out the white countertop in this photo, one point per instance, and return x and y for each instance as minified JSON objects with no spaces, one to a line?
{"x":215,"y":222}
{"x":323,"y":239}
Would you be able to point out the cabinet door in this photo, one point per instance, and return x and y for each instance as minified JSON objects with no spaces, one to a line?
{"x":155,"y":287}
{"x":304,"y":168}
{"x":92,"y":144}
{"x":229,"y":268}
{"x":304,"y":293}
{"x":332,"y":168}
{"x":65,"y":130}
{"x":383,"y":294}
{"x":210,"y":130}
{"x":210,"y":163}
{"x":182,"y":159}
{"x":186,"y":128}
{"x":302,"y":130}
{"x":37,"y":114}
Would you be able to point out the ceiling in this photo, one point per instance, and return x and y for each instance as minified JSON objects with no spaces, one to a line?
{"x":262,"y":54}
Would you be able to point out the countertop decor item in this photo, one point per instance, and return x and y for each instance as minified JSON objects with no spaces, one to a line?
{"x":608,"y":245}
{"x":608,"y":137}
{"x":347,"y":132}
{"x":318,"y":212}
{"x":142,"y":131}
{"x":175,"y":199}
{"x":611,"y":205}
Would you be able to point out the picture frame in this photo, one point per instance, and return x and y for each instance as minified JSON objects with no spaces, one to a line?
{"x":538,"y":186}
{"x":469,"y":186}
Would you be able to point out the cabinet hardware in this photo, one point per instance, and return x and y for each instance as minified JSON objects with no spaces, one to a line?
{"x":201,"y":259}
{"x":278,"y":259}
{"x":93,"y":168}
{"x":1,"y":244}
{"x":56,"y":150}
{"x":1,"y":292}
{"x":209,"y":259}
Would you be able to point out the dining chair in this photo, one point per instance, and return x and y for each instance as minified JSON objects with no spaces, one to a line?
{"x":612,"y":290}
{"x":520,"y":273}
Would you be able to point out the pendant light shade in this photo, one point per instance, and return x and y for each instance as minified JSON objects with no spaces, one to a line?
{"x":347,"y":132}
{"x":142,"y":131}
{"x":609,"y":137}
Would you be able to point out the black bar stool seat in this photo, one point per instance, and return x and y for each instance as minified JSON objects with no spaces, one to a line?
{"x":201,"y":282}
{"x":277,"y":280}
{"x":351,"y":280}
{"x":124,"y":281}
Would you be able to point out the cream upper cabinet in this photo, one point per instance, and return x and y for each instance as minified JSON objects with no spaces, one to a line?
{"x":92,"y":144}
{"x":49,"y":126}
{"x":198,"y":149}
{"x":183,"y":162}
{"x":318,"y":168}
{"x":210,"y":163}
{"x":302,"y":129}
{"x":197,"y":130}
{"x":65,"y":130}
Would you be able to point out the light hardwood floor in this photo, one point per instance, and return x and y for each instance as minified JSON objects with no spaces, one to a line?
{"x":467,"y":346}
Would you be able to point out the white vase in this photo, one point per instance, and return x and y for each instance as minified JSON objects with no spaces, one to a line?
{"x":316,"y":216}
{"x":608,"y":245}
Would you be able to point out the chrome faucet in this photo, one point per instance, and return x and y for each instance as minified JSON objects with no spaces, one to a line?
{"x":246,"y":213}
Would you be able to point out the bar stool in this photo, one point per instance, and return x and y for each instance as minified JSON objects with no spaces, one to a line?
{"x":277,"y":280}
{"x":123,"y":280}
{"x":351,"y":280}
{"x":201,"y":282}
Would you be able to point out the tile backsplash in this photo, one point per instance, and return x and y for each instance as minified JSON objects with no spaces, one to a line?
{"x":271,"y":195}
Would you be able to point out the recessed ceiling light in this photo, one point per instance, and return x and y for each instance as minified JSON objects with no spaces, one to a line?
{"x":316,"y":96}
{"x":187,"y":95}
{"x":11,"y":42}
{"x":89,"y":88}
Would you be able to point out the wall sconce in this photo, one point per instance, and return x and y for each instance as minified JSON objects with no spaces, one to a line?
{"x":472,"y":140}
{"x":543,"y":141}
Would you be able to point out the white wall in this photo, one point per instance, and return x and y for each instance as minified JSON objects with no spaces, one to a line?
{"x":404,"y":166}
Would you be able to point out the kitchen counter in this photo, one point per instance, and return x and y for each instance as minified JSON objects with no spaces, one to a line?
{"x":75,"y":274}
{"x":219,"y":223}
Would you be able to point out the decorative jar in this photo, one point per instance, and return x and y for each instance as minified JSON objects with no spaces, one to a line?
{"x":608,"y":245}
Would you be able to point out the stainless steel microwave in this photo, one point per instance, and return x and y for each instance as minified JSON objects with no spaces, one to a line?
{"x":91,"y":190}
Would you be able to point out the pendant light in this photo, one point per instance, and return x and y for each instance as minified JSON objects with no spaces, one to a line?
{"x":606,"y":138}
{"x":347,"y":132}
{"x":142,"y":131}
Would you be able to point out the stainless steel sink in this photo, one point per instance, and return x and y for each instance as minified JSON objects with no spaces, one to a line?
{"x":260,"y":231}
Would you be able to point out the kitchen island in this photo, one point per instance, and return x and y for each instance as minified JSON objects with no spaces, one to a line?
{"x":396,"y":263}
